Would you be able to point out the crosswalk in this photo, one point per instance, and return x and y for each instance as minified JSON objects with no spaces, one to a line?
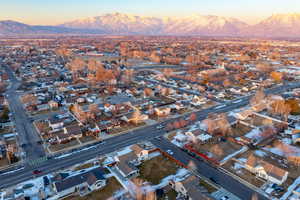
{"x":37,"y":162}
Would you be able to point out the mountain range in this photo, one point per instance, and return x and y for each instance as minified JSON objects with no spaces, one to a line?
{"x":277,"y":25}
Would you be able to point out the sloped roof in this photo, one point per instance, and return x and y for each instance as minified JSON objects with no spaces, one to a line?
{"x":90,"y":177}
{"x":270,"y":169}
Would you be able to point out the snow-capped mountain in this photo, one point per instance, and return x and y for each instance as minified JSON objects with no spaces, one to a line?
{"x":279,"y":25}
{"x":203,"y":25}
{"x":118,"y":23}
{"x":128,"y":24}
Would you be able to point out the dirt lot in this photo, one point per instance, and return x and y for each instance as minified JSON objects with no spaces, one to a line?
{"x":105,"y":193}
{"x":126,"y":128}
{"x":156,"y":169}
{"x":59,"y":147}
{"x":217,"y":151}
{"x":239,"y":129}
{"x":87,"y":139}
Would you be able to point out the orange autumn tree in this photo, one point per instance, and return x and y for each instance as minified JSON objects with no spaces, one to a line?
{"x":276,"y":76}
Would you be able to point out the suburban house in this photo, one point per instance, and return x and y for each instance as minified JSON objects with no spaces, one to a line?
{"x":73,"y":130}
{"x":266,"y":170}
{"x":198,"y":101}
{"x":243,"y":115}
{"x":62,"y":137}
{"x":42,"y":107}
{"x":56,"y":123}
{"x":198,"y":136}
{"x":68,"y":133}
{"x":189,"y":188}
{"x":84,"y":183}
{"x":260,"y":107}
{"x":162,"y":112}
{"x":53,"y":104}
{"x":142,"y":151}
{"x":127,"y":164}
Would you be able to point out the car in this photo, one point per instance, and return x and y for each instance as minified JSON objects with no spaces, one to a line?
{"x":39,"y":142}
{"x":224,"y":198}
{"x":277,"y":188}
{"x":160,"y":127}
{"x":213,"y":179}
{"x":46,"y":180}
{"x":169,"y":151}
{"x":191,"y":153}
{"x":36,"y":172}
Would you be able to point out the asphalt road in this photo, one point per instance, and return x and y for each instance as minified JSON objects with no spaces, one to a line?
{"x":110,"y":145}
{"x":27,"y":135}
{"x":208,"y":171}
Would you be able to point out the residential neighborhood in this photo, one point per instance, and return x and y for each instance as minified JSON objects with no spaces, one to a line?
{"x":103,"y":117}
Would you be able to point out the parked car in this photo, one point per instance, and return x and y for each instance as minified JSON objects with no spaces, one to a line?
{"x":169,"y":151}
{"x":160,"y":127}
{"x":224,"y":198}
{"x":213,"y":180}
{"x":36,"y":172}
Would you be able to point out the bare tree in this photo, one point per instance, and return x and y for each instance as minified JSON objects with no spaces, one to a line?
{"x":79,"y":113}
{"x":148,"y":92}
{"x":94,"y":109}
{"x":223,"y":124}
{"x":257,"y":98}
{"x":280,"y":107}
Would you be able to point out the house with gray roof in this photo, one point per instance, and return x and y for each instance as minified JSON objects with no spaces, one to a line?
{"x":83,"y":182}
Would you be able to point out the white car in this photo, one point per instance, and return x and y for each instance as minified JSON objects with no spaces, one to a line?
{"x":160,"y":127}
{"x":170,"y":152}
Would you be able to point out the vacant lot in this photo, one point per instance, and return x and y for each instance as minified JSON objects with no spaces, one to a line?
{"x":86,"y":139}
{"x":239,"y":129}
{"x":156,"y":169}
{"x":59,"y":147}
{"x":125,"y":128}
{"x":217,"y":151}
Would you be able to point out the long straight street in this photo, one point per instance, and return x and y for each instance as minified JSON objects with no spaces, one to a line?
{"x":28,"y":137}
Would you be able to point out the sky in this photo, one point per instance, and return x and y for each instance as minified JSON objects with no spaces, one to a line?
{"x":53,"y":12}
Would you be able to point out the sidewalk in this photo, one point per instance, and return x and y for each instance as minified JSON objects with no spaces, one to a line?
{"x":127,"y":184}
